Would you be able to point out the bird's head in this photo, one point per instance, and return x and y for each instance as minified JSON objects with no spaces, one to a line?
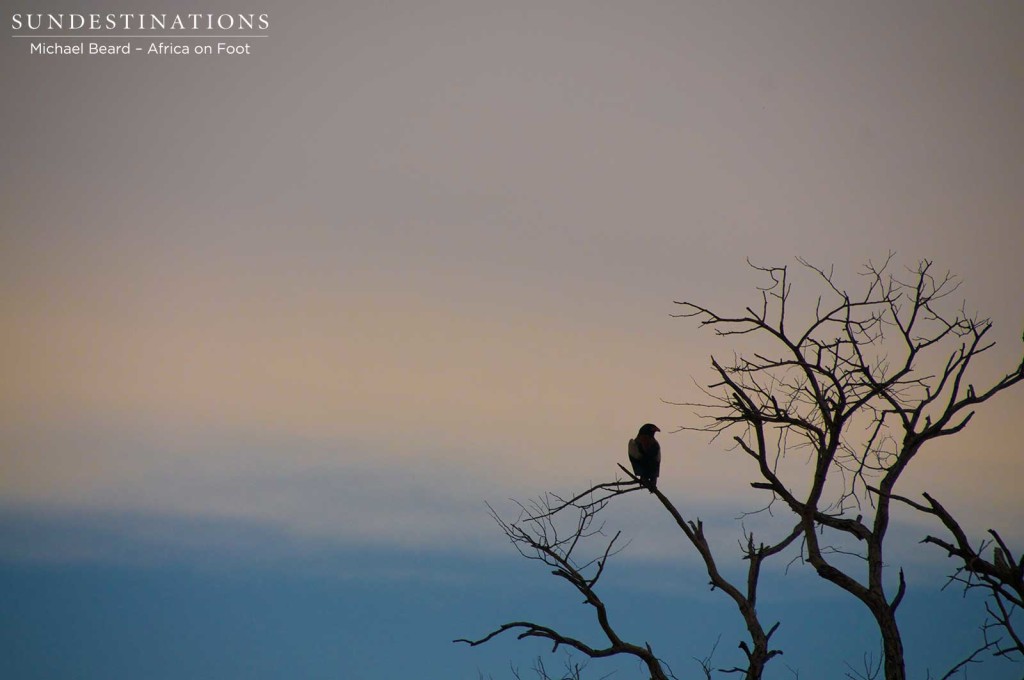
{"x":649,"y":429}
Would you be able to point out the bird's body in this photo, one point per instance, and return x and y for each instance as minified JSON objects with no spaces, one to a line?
{"x":645,"y":455}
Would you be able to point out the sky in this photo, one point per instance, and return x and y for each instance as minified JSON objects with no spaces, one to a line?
{"x":277,"y":326}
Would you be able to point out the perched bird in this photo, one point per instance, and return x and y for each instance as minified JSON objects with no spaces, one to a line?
{"x":645,"y":455}
{"x":1001,"y":565}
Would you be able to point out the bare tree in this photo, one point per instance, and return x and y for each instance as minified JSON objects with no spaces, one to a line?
{"x":830,"y":409}
{"x":1001,"y":578}
{"x":860,"y":386}
{"x":555,"y":531}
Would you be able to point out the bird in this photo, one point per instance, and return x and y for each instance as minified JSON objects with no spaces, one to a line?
{"x":1001,"y":565}
{"x":645,"y":456}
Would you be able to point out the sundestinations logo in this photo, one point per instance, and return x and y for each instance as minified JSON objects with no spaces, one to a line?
{"x":127,"y":33}
{"x":126,"y":21}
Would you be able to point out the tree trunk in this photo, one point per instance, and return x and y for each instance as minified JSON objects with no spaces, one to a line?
{"x":892,"y":644}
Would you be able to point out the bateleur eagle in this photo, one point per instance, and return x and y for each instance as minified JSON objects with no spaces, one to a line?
{"x":645,"y":455}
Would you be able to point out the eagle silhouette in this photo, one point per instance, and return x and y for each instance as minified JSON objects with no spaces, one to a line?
{"x":645,"y":455}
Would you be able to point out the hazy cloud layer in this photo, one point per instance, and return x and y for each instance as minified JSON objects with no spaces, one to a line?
{"x":407,"y":258}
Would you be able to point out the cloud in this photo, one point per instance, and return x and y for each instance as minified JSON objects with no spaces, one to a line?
{"x":363,"y":326}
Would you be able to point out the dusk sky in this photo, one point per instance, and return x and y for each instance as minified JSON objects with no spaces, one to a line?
{"x":276,"y":326}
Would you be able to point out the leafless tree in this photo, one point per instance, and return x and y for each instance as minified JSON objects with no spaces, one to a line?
{"x":1001,"y":578}
{"x":831,"y":407}
{"x":556,"y":531}
{"x":859,"y":387}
